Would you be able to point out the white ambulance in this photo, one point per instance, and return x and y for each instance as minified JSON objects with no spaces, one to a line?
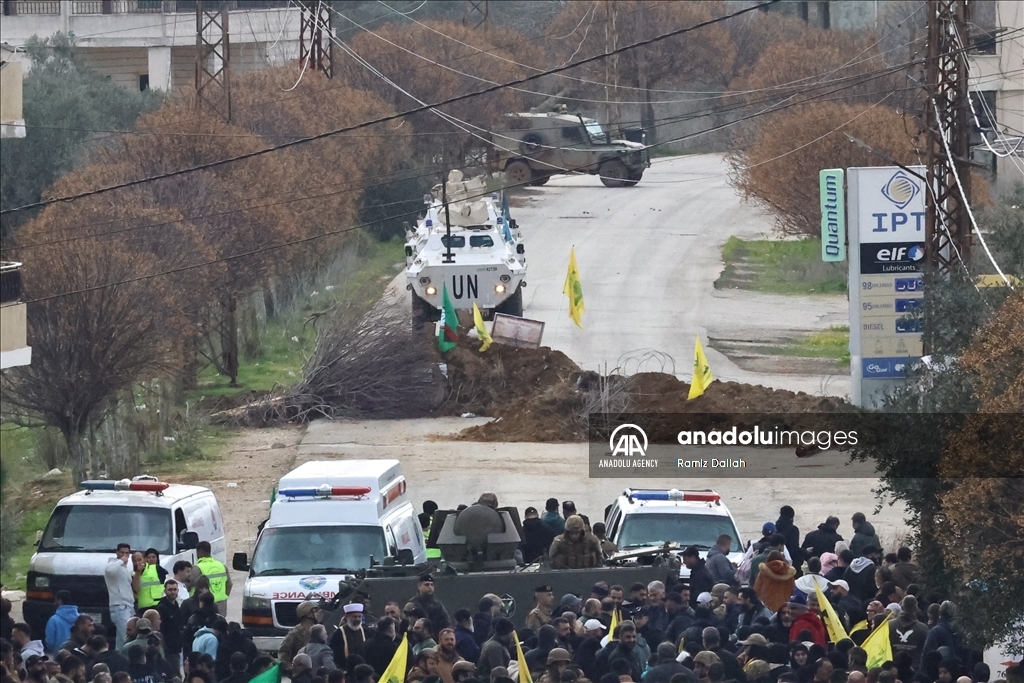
{"x":328,"y":519}
{"x":85,"y":528}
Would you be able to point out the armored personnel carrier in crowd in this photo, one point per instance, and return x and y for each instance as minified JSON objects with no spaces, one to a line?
{"x":468,"y":243}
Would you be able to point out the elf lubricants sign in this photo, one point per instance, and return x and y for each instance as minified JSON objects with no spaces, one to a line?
{"x":886,"y":217}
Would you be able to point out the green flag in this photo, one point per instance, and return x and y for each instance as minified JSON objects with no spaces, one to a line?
{"x":447,"y":331}
{"x":271,"y":675}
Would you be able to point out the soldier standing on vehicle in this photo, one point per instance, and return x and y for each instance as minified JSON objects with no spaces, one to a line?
{"x":220,"y":581}
{"x":308,"y":613}
{"x":425,"y":601}
{"x":575,"y":548}
{"x":541,"y":613}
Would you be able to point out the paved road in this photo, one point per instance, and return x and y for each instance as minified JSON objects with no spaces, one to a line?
{"x":648,"y":257}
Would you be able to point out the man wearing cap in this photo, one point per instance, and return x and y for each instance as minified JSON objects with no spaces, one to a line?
{"x":842,"y":600}
{"x":35,"y":667}
{"x":541,"y":613}
{"x":537,"y":536}
{"x":496,"y":651}
{"x":143,"y":627}
{"x":701,"y":661}
{"x":585,"y":655}
{"x":557,"y":662}
{"x":350,"y":637}
{"x":425,"y":601}
{"x":308,"y":613}
{"x":576,"y":549}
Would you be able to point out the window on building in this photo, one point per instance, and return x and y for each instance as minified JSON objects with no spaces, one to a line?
{"x":143,"y":82}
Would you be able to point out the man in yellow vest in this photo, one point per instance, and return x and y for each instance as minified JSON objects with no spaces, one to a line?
{"x":217,"y":573}
{"x":151,"y":581}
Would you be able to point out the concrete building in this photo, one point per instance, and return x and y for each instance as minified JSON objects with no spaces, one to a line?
{"x":14,"y":348}
{"x":995,"y":64}
{"x":12,"y":123}
{"x":152,"y":43}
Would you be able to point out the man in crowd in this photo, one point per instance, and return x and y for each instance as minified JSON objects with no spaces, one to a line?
{"x":424,"y":600}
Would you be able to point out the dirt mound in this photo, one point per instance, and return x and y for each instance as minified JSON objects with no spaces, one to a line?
{"x":540,"y":395}
{"x":488,"y":383}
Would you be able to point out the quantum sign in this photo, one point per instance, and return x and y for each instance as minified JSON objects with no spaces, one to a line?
{"x":833,"y":214}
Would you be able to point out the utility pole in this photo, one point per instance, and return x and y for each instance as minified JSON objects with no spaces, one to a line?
{"x":647,"y":113}
{"x":476,"y":14}
{"x":611,"y":64}
{"x":947,"y":223}
{"x":213,"y":60}
{"x":315,"y":33}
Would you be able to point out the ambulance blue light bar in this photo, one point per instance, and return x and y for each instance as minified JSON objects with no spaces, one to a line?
{"x":674,"y":494}
{"x":325,"y":491}
{"x":124,"y":485}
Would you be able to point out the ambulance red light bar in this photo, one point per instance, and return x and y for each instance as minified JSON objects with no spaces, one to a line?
{"x":325,"y":491}
{"x":674,"y":494}
{"x":124,"y":485}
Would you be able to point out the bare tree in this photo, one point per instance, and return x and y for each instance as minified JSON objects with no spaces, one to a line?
{"x":88,"y":346}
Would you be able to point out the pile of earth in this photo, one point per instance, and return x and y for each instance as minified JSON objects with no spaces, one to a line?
{"x":541,"y":395}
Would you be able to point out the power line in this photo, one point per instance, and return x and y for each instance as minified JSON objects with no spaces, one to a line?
{"x":393,"y":117}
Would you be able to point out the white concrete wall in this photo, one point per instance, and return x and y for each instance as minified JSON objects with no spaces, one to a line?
{"x":123,"y":65}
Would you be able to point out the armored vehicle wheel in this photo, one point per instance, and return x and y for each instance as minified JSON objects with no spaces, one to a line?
{"x":512,"y":305}
{"x":422,"y":313}
{"x":634,"y":178}
{"x":541,"y":179}
{"x":613,"y":173}
{"x":518,"y":173}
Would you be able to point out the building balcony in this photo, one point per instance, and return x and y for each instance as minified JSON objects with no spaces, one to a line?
{"x":14,"y":348}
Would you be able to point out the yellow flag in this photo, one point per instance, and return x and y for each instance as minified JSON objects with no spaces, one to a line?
{"x":395,"y":673}
{"x":859,"y":626}
{"x":481,"y":329}
{"x":701,"y":372}
{"x":833,"y":623}
{"x":574,"y":290}
{"x":878,"y":646}
{"x":614,"y":624}
{"x":524,"y":671}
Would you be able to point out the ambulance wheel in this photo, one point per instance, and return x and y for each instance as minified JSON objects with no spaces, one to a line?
{"x":422,"y":312}
{"x":613,"y":173}
{"x":512,"y":305}
{"x":541,"y":179}
{"x":518,"y":173}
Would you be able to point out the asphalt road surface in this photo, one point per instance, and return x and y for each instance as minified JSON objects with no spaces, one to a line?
{"x":648,"y":257}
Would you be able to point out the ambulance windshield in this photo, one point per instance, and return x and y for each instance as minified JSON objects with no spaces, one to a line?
{"x":322,"y":549}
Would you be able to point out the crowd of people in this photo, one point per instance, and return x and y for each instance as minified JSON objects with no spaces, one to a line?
{"x":760,"y":620}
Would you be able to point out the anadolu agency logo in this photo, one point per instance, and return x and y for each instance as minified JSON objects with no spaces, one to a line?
{"x":628,"y":440}
{"x":900,"y":189}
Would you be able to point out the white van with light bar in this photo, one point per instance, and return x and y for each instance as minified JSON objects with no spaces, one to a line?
{"x":328,"y":519}
{"x":645,"y":518}
{"x":85,"y":528}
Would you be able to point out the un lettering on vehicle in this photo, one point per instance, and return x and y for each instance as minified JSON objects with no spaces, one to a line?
{"x":465,"y":287}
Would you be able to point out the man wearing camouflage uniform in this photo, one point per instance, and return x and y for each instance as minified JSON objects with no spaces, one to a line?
{"x":575,"y":548}
{"x":298,"y":638}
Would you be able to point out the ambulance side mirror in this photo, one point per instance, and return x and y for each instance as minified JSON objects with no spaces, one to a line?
{"x":240,"y":562}
{"x":405,"y":556}
{"x":189,"y":540}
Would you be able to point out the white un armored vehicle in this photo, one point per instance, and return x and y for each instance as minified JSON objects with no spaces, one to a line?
{"x":479,"y":257}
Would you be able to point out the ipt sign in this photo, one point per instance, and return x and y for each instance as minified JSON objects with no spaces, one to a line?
{"x":887,"y":256}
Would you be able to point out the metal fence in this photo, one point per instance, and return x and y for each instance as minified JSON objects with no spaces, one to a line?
{"x":16,"y":7}
{"x":116,"y":6}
